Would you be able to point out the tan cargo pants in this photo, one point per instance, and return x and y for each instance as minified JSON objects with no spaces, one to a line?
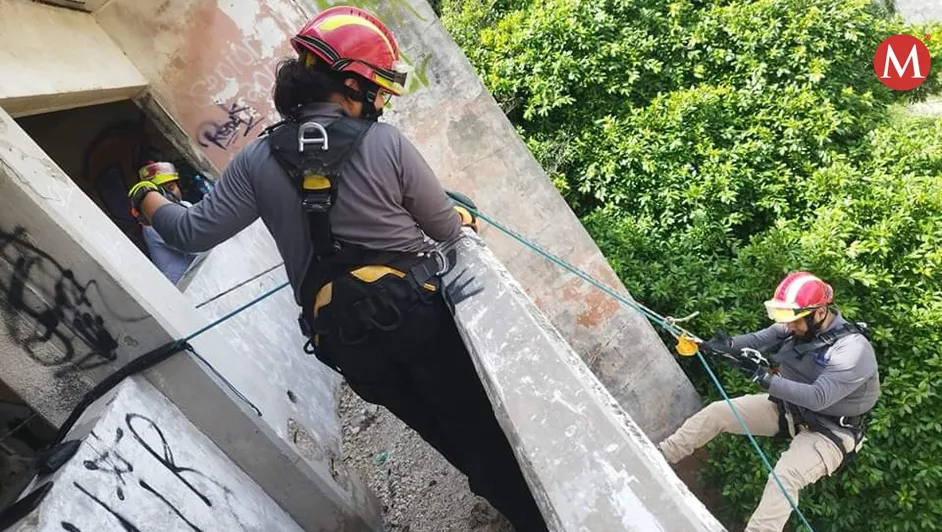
{"x":810,"y":456}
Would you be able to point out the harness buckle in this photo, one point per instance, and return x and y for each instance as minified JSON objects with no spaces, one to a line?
{"x":313,"y":202}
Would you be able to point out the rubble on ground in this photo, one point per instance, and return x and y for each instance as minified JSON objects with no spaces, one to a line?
{"x":418,"y":489}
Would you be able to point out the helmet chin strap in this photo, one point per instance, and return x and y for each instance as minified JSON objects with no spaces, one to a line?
{"x":370,"y":112}
{"x":814,"y":327}
{"x":366,"y":98}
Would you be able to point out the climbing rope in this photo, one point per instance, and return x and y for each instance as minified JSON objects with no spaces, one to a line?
{"x":685,"y":338}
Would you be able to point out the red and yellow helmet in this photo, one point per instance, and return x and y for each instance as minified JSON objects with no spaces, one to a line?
{"x":159,"y":173}
{"x":798,"y":295}
{"x":349,"y":39}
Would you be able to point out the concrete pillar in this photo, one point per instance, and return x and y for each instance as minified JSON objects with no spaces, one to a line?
{"x":80,"y":300}
{"x":294,"y":389}
{"x":587,"y":461}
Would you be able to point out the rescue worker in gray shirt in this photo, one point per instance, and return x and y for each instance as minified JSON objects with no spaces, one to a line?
{"x":352,"y":207}
{"x":826,"y":384}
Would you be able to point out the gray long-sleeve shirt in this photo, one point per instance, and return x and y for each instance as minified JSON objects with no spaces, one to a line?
{"x":837,"y":380}
{"x":389,"y":199}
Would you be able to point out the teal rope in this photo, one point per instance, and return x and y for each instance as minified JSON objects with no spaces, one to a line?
{"x":658,"y":319}
{"x":230,"y":315}
{"x":221,"y":320}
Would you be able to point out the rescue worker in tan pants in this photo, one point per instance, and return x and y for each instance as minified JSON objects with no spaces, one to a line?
{"x":826,"y":384}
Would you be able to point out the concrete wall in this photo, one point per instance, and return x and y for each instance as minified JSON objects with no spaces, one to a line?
{"x":36,"y":78}
{"x":588,"y":463}
{"x":143,"y":466}
{"x":294,"y":389}
{"x":920,"y":10}
{"x":214,"y":75}
{"x":79,"y":300}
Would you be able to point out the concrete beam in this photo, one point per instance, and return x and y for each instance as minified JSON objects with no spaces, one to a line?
{"x":38,"y":78}
{"x":588,"y":463}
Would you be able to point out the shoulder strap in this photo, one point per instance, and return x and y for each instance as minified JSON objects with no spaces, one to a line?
{"x":830,"y":337}
{"x":314,"y":157}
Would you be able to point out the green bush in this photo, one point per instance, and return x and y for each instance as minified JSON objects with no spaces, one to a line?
{"x":710,"y":147}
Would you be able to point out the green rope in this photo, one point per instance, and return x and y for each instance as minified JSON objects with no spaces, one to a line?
{"x":659,"y":320}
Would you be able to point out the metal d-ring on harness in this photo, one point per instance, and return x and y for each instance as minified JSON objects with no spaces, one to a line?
{"x":371,"y":285}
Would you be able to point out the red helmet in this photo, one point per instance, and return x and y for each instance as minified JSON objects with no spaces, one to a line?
{"x":798,"y":295}
{"x":349,"y":39}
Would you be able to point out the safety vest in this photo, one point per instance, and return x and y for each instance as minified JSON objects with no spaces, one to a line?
{"x":855,"y":425}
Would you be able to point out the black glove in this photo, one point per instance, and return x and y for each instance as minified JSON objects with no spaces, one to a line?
{"x":763,"y":378}
{"x":136,"y":196}
{"x":754,"y":366}
{"x":720,"y":343}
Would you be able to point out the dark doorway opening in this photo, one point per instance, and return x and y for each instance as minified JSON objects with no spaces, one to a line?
{"x":102,"y":148}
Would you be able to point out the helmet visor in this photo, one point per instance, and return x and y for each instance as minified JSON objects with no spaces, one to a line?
{"x":780,"y":314}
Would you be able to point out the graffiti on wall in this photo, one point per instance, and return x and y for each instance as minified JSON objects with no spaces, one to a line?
{"x":59,"y":328}
{"x":241,"y":71}
{"x":192,"y":488}
{"x":237,"y":121}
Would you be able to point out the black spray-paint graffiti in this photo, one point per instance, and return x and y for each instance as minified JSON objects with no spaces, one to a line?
{"x":146,"y":433}
{"x":59,"y":328}
{"x":111,"y":461}
{"x":223,"y":133}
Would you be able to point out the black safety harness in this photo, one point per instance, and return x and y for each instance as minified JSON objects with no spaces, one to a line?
{"x":856,"y":425}
{"x":379,"y":286}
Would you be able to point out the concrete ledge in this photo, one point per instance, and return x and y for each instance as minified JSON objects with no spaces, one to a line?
{"x":32,"y":39}
{"x":142,"y":465}
{"x":588,"y":463}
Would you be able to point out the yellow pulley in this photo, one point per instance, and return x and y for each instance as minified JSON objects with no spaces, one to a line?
{"x":686,"y":346}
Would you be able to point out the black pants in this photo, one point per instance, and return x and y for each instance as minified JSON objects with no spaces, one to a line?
{"x":423,"y":374}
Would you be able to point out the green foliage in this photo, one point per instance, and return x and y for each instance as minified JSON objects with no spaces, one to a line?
{"x":710,"y":147}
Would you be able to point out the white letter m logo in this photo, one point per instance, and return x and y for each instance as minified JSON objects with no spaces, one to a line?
{"x":891,"y":56}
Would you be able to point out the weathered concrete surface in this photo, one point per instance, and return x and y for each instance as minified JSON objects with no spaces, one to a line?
{"x":36,"y":78}
{"x":143,"y":311}
{"x":920,"y":10}
{"x":588,"y":463}
{"x":211,"y":64}
{"x":273,"y":369}
{"x":143,"y":466}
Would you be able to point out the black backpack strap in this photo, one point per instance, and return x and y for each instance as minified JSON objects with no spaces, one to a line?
{"x":314,"y":157}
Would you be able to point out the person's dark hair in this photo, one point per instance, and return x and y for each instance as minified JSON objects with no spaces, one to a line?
{"x":297,"y":85}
